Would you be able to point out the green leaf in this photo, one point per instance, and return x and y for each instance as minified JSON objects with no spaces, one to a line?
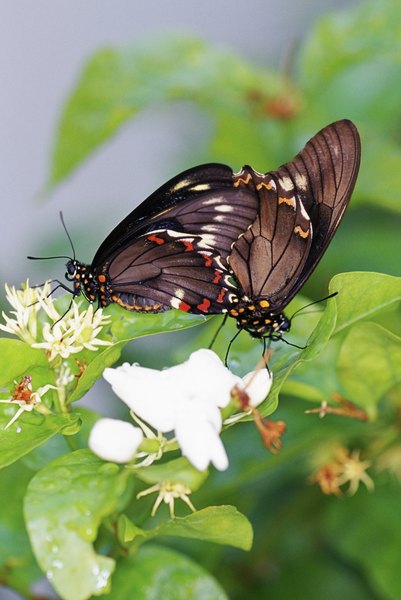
{"x":177,"y":471}
{"x":19,"y":359}
{"x":125,"y":327}
{"x":17,"y":564}
{"x":64,"y":506}
{"x":362,"y":295}
{"x":30,"y":431}
{"x":372,"y":545}
{"x":117,"y":83}
{"x":367,"y":375}
{"x":218,"y":524}
{"x":156,"y":572}
{"x":355,"y":49}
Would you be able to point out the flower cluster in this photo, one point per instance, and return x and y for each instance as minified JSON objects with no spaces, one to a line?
{"x":35,"y":319}
{"x":347,"y":467}
{"x":60,"y":335}
{"x":185,"y":400}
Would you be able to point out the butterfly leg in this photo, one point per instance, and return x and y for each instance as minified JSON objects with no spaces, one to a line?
{"x":220,"y":327}
{"x":229,"y":347}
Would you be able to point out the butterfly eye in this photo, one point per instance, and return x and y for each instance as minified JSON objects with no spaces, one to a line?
{"x":71,"y":270}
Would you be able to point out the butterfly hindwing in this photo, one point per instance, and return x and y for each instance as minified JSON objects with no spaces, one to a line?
{"x":173,"y":270}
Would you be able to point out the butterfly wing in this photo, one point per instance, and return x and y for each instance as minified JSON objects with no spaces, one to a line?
{"x":301,"y":206}
{"x":269,"y":256}
{"x":166,"y":269}
{"x":201,"y":201}
{"x":323,"y":175}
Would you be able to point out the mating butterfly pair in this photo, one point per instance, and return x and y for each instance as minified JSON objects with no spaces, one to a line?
{"x":210,"y":241}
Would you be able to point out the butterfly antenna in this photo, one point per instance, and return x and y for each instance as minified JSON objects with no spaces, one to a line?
{"x":220,"y":327}
{"x":59,"y":255}
{"x":312,"y":303}
{"x":68,"y":235}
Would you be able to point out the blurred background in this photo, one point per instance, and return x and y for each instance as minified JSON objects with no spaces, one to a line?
{"x":44,"y":46}
{"x":269,"y":75}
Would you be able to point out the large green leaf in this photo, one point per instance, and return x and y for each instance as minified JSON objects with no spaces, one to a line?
{"x":64,"y":506}
{"x":156,"y":572}
{"x":218,"y":524}
{"x":17,"y":564}
{"x":369,"y":364}
{"x":117,"y":83}
{"x":362,"y":295}
{"x":19,"y":359}
{"x":30,"y":431}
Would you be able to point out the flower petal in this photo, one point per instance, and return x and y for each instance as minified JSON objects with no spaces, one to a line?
{"x":151,"y":394}
{"x":115,"y":440}
{"x":257,"y":385}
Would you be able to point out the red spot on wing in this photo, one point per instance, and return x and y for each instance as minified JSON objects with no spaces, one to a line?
{"x":208,"y":260}
{"x":221,"y":295}
{"x":188,"y":245}
{"x":204,"y":306}
{"x":217,"y":276}
{"x":155,"y":239}
{"x":184,"y":306}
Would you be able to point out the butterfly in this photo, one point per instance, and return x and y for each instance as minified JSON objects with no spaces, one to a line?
{"x":210,"y":241}
{"x":300,"y":207}
{"x":171,"y":251}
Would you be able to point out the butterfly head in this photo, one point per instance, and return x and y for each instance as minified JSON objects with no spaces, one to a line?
{"x":256,"y":317}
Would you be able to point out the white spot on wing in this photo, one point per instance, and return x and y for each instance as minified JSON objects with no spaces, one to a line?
{"x":180,"y":185}
{"x":303,"y":211}
{"x":175,"y":303}
{"x":201,"y":187}
{"x":300,"y":181}
{"x":216,"y":200}
{"x":179,"y":293}
{"x":210,"y":228}
{"x":286,"y":184}
{"x":224,"y":208}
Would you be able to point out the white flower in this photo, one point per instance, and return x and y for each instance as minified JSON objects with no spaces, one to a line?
{"x":74,"y":332}
{"x":26,"y":304}
{"x":185,"y":399}
{"x":62,"y":335}
{"x":168,"y":492}
{"x":257,"y":385}
{"x":115,"y":440}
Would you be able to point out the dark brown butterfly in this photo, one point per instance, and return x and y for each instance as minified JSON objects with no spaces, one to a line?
{"x":172,"y":250}
{"x":300,"y":207}
{"x":210,"y":241}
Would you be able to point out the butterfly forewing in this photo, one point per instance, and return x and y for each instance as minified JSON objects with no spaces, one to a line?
{"x":300,"y":207}
{"x":324,"y":175}
{"x":270,"y":255}
{"x":201,"y":201}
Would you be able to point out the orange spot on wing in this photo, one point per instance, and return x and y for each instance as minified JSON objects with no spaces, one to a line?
{"x":217,"y":276}
{"x":188,"y":245}
{"x":208,"y":260}
{"x":205,"y":305}
{"x":221,"y":295}
{"x":101,"y":278}
{"x":184,"y":306}
{"x":155,"y":239}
